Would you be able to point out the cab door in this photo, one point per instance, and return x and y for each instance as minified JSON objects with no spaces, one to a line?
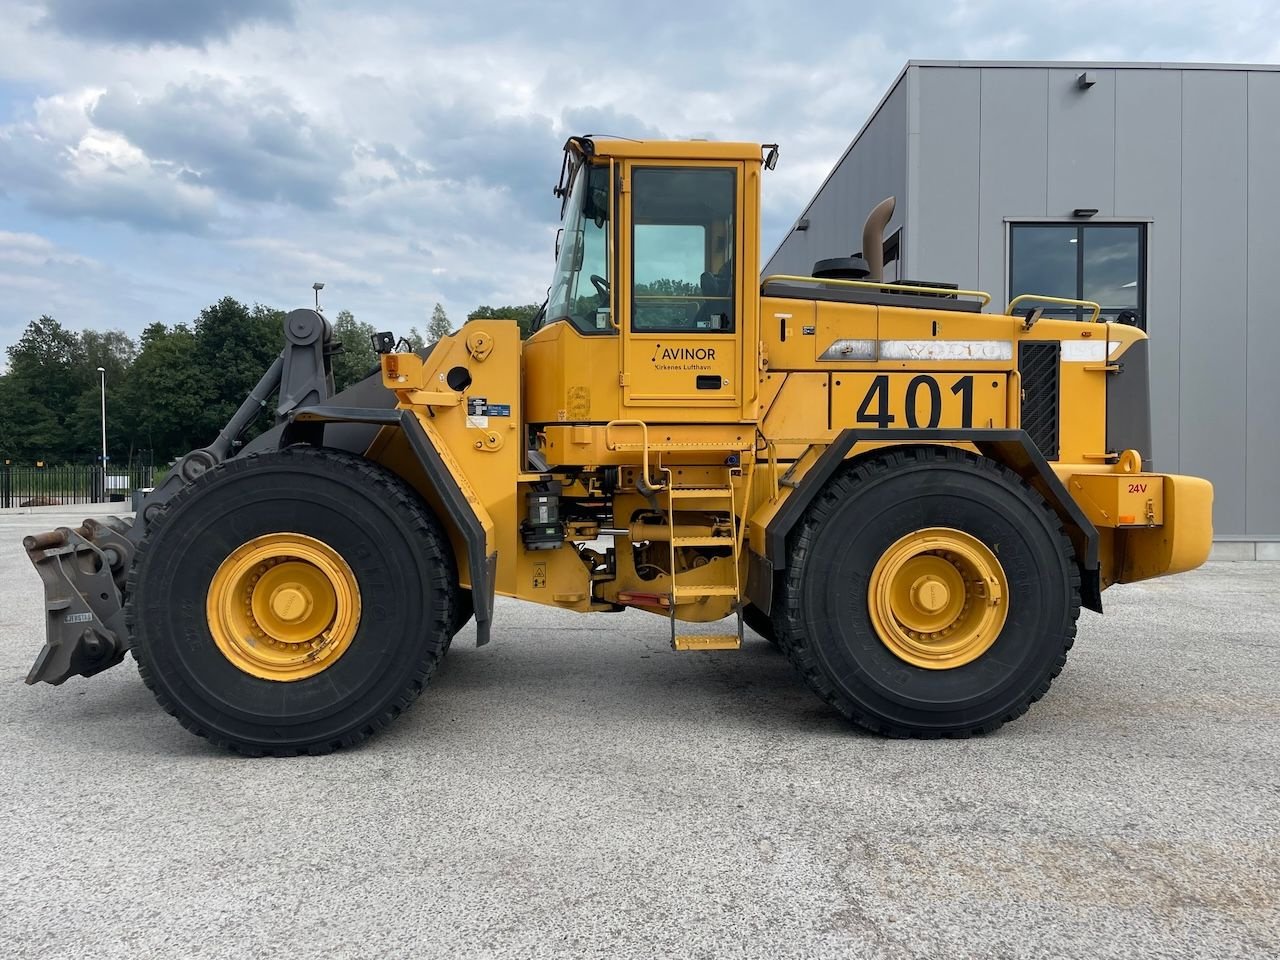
{"x":680,"y":311}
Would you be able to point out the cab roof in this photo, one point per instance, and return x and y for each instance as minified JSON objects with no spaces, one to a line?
{"x":668,"y":149}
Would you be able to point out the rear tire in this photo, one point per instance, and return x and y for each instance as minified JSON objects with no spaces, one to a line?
{"x":383,"y":533}
{"x":864,"y":514}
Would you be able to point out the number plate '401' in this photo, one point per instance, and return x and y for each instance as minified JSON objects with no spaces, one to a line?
{"x":923,"y":401}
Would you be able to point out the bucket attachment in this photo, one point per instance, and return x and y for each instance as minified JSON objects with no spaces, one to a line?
{"x":83,"y":572}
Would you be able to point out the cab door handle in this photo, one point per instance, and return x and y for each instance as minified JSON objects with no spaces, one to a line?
{"x":709,"y":382}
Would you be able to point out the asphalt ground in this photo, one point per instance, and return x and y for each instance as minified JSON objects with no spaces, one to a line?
{"x":577,"y":789}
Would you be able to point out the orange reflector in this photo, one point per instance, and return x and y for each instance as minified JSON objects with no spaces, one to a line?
{"x":1127,"y":518}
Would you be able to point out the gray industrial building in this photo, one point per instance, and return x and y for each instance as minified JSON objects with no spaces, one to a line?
{"x":1144,"y":186}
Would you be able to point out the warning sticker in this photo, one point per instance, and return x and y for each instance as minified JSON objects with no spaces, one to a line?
{"x":539,"y":575}
{"x":481,"y":422}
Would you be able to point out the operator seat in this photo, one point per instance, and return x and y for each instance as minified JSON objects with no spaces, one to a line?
{"x":715,"y":286}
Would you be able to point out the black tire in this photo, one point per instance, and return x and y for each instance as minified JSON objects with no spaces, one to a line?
{"x":825,"y":624}
{"x":395,"y":548}
{"x":759,"y":621}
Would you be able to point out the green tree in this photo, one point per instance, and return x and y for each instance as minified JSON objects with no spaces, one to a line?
{"x":166,"y":392}
{"x":114,"y":351}
{"x":235,"y":345}
{"x":439,"y":326}
{"x":523,"y":315}
{"x":416,"y":341}
{"x":357,"y":358}
{"x":47,"y":374}
{"x":29,"y":429}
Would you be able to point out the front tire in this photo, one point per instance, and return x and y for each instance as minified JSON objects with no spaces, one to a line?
{"x":930,"y":592}
{"x":291,"y":602}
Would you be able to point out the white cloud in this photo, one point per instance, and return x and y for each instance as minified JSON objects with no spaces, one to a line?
{"x":403,"y":151}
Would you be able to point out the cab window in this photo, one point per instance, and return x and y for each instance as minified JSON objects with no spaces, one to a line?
{"x":580,"y":289}
{"x":682,"y":249}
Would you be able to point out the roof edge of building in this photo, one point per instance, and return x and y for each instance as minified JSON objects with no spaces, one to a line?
{"x":1096,"y":65}
{"x":1009,"y":64}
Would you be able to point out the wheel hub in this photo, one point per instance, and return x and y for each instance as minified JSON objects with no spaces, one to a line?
{"x":930,"y":594}
{"x":938,"y":598}
{"x":290,"y":603}
{"x":283,"y":607}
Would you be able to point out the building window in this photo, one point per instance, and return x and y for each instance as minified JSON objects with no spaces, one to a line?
{"x":1103,"y":262}
{"x":893,"y":258}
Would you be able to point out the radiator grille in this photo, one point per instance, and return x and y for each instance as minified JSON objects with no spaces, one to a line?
{"x":1038,"y":364}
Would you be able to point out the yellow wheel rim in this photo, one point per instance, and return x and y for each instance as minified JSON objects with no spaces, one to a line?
{"x":283,"y":607}
{"x":938,"y":598}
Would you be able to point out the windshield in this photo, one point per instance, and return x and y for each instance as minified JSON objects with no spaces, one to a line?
{"x":580,"y":289}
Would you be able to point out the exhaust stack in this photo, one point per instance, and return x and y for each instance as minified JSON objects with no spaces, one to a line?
{"x":873,"y":237}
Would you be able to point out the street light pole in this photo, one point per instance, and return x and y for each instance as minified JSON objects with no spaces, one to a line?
{"x":102,"y":373}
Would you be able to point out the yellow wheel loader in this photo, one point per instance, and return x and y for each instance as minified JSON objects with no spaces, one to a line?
{"x":910,"y":495}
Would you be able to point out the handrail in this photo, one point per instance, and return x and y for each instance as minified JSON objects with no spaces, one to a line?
{"x":879,"y":285}
{"x":644,"y":439}
{"x":1065,"y":301}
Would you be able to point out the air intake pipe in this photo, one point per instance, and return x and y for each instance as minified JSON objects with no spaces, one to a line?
{"x":873,"y":237}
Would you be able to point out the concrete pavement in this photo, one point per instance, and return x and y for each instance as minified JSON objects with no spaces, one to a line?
{"x":577,"y":789}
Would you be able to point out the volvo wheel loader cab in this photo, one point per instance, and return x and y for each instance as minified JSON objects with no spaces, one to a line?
{"x":910,"y":495}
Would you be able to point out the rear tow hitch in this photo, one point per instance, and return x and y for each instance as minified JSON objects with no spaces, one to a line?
{"x":83,"y":572}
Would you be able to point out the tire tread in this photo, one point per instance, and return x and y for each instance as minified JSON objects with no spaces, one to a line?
{"x":791,"y":636}
{"x":422,"y":525}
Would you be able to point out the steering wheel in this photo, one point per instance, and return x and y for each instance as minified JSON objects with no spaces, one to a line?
{"x":601,"y":285}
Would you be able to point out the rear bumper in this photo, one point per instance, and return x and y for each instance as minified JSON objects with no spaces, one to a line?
{"x":1181,"y":542}
{"x":1149,"y":524}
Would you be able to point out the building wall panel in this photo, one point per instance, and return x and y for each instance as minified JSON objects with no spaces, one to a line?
{"x":1148,"y":183}
{"x":1081,"y":161}
{"x":1013,"y":124}
{"x":1215,"y":201}
{"x":1262,"y":379}
{"x":941,"y":230}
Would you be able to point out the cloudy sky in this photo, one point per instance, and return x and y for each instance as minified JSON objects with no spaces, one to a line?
{"x":158,"y":154}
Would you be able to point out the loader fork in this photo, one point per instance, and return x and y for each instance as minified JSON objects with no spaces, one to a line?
{"x":83,"y":571}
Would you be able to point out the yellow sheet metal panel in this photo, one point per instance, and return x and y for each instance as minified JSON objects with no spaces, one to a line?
{"x":798,"y":414}
{"x":1082,"y":408}
{"x":676,"y":149}
{"x":1181,"y":543}
{"x":556,"y":578}
{"x":931,"y":400}
{"x":683,"y":370}
{"x":1120,"y":499}
{"x":789,"y":330}
{"x":571,"y":376}
{"x":623,"y":443}
{"x":987,"y":332}
{"x":843,"y":327}
{"x":480,"y":439}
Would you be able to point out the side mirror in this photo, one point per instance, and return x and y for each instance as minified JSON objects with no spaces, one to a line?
{"x":578,"y":251}
{"x":771,"y":155}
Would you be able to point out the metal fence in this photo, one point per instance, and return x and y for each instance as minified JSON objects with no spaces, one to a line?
{"x":25,"y":485}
